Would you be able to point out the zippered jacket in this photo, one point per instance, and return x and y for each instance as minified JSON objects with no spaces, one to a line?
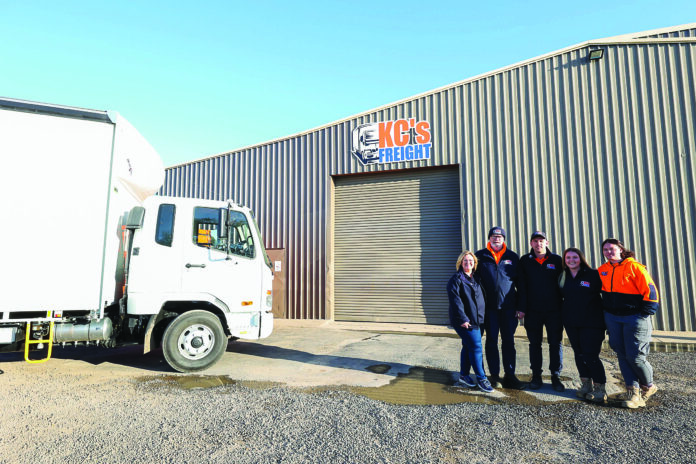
{"x":582,"y":301}
{"x":466,"y":301}
{"x":498,"y":279}
{"x":628,"y":289}
{"x":537,"y":284}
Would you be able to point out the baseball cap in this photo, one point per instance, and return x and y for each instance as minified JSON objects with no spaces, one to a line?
{"x":538,"y":233}
{"x":497,"y":230}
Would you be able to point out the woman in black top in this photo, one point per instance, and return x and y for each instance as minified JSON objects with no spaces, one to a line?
{"x":467,"y":311}
{"x":583,"y":319}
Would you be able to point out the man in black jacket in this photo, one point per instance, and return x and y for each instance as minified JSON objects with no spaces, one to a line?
{"x":497,"y":271}
{"x":539,"y":303}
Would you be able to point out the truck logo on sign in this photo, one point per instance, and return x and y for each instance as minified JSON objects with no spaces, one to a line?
{"x":396,"y":141}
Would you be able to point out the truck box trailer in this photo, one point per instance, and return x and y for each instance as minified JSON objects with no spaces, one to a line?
{"x":93,"y":256}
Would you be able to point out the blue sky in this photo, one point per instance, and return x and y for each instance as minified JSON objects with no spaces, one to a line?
{"x":207,"y":78}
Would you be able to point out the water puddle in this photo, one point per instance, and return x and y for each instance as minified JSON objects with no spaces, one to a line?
{"x":185,"y":382}
{"x":423,"y":386}
{"x":379,"y":368}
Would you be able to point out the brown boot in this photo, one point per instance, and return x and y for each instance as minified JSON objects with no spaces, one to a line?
{"x":647,"y":392}
{"x":598,"y":394}
{"x":585,"y":388}
{"x":632,"y":399}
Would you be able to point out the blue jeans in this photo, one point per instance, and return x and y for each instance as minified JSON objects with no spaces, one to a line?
{"x":501,"y":321}
{"x":472,"y":352}
{"x":534,"y":323}
{"x":629,"y":337}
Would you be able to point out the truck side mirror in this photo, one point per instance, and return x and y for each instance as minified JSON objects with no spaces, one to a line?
{"x":222,"y":224}
{"x":136,"y":216}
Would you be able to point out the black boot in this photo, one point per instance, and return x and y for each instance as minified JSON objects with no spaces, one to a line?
{"x":513,"y":383}
{"x":495,"y":381}
{"x":536,"y":382}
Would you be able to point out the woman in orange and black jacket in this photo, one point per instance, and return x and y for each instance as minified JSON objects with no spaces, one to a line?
{"x":630,"y":297}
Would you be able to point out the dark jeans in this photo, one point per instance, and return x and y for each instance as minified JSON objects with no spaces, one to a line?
{"x":503,"y":322}
{"x":587,"y":344}
{"x":472,"y":352}
{"x":534,"y":323}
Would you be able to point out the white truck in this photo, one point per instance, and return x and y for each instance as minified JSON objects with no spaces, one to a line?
{"x":91,"y":256}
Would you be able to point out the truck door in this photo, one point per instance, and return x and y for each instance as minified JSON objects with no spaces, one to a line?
{"x":233,"y":278}
{"x":155,"y":267}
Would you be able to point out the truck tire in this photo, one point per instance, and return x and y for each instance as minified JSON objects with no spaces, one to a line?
{"x":193,"y":341}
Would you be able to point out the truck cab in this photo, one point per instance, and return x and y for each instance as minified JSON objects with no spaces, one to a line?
{"x":193,"y":256}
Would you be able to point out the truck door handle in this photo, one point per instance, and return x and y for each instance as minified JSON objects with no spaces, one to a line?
{"x":189,"y":265}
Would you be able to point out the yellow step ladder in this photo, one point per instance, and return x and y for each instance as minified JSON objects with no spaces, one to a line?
{"x":28,"y":342}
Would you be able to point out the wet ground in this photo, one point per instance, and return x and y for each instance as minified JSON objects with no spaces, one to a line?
{"x":420,"y":386}
{"x":395,"y":367}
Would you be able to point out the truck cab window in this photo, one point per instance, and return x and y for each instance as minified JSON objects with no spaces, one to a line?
{"x":206,"y":234}
{"x":241,"y":240}
{"x":164,"y":233}
{"x":205,"y":228}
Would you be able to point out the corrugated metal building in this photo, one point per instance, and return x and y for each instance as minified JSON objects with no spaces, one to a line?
{"x":596,"y":140}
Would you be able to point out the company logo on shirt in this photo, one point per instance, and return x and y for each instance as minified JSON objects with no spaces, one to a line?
{"x":507,"y":261}
{"x":584,"y":283}
{"x":396,"y":141}
{"x":550,"y":266}
{"x":605,"y":273}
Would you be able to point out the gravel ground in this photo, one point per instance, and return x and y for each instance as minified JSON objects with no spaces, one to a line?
{"x":53,"y":416}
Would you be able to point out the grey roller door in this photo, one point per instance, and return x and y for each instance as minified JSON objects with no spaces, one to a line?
{"x":396,"y":240}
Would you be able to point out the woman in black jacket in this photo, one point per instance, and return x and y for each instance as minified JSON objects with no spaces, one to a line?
{"x":467,"y":309}
{"x":583,"y":319}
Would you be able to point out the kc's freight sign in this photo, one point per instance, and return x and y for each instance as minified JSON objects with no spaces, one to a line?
{"x":402,"y":140}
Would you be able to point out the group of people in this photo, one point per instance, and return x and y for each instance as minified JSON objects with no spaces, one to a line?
{"x":494,"y":289}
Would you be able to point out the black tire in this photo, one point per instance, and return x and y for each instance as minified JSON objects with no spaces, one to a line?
{"x":193,"y":341}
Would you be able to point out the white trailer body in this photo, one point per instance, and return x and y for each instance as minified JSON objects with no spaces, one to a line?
{"x":72,"y":181}
{"x":69,"y":175}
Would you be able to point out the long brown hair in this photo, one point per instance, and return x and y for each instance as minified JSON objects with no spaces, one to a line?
{"x":583,"y":261}
{"x":625,"y":252}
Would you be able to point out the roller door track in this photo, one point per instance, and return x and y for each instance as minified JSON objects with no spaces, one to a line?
{"x":396,"y":240}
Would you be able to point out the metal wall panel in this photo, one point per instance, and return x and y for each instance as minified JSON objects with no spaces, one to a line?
{"x":397,"y":237}
{"x":584,"y":150}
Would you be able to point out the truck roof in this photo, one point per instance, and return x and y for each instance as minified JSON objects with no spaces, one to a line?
{"x":47,"y":108}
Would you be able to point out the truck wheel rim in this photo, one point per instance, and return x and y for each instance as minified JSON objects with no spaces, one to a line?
{"x":196,"y":341}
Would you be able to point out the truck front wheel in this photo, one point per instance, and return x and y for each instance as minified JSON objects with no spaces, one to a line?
{"x":193,"y":341}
